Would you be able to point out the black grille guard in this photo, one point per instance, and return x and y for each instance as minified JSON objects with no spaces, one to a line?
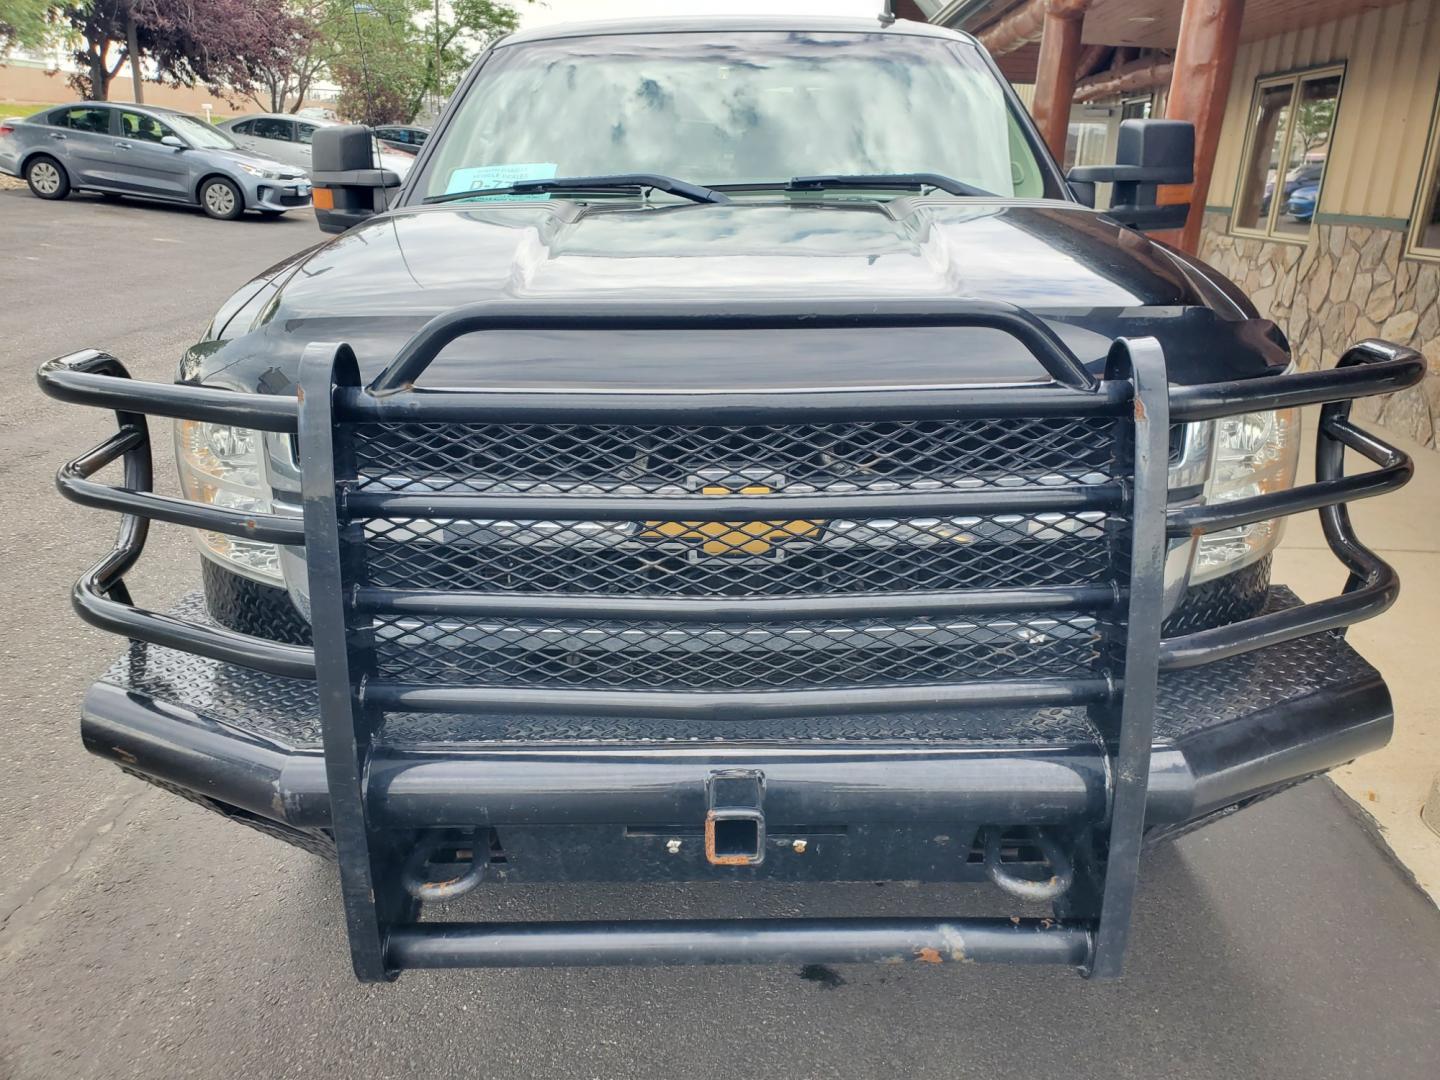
{"x":1120,"y":692}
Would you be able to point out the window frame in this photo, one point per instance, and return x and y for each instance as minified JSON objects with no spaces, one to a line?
{"x":120,"y":120}
{"x":1295,"y":79}
{"x":288,"y":125}
{"x":1145,"y":101}
{"x":1429,"y":182}
{"x":59,"y":117}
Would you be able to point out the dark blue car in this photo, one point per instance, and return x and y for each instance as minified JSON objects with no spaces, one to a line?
{"x":1301,"y":205}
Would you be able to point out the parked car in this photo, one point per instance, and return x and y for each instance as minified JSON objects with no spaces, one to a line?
{"x":657,"y":490}
{"x":152,"y":153}
{"x":406,"y":138}
{"x":287,"y":138}
{"x":1304,"y":175}
{"x":1302,"y":202}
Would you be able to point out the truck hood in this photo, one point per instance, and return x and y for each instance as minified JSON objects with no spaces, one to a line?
{"x":375,"y":285}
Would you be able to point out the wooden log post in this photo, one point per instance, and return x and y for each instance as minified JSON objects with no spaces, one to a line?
{"x":1199,"y":86}
{"x":1058,"y":70}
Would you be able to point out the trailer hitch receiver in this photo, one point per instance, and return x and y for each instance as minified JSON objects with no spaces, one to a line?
{"x":735,"y":820}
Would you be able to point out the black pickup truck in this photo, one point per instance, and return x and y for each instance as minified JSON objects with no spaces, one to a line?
{"x":737,"y":452}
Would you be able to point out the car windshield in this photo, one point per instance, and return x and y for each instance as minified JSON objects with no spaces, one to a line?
{"x":198,"y":133}
{"x":734,"y":109}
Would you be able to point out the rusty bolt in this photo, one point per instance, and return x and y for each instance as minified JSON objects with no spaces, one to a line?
{"x":673,"y":846}
{"x":799,"y":847}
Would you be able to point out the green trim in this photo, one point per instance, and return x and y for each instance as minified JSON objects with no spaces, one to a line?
{"x":1217,"y":210}
{"x":1395,"y":224}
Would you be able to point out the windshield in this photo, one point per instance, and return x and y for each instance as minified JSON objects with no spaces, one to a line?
{"x":198,"y":133}
{"x":736,"y":108}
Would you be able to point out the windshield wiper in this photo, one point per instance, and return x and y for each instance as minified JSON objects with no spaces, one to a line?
{"x":889,"y":180}
{"x":636,"y":181}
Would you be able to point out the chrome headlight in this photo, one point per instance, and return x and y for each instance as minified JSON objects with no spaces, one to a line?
{"x":220,"y":465}
{"x":1254,"y":454}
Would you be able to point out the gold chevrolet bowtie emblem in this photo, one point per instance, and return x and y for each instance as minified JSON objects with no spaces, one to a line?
{"x":733,"y":537}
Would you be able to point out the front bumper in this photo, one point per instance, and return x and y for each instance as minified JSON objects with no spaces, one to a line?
{"x":276,"y":195}
{"x":249,"y":745}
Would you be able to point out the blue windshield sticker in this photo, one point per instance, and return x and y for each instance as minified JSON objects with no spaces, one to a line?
{"x":483,"y":177}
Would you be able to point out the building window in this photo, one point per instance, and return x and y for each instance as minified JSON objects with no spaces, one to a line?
{"x":1137,"y":108}
{"x":1291,"y":122}
{"x":1425,"y":222}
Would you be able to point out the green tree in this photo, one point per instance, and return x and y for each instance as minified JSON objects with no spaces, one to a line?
{"x":389,"y":55}
{"x":26,"y":23}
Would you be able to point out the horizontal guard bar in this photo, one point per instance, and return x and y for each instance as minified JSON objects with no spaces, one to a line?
{"x":68,"y":379}
{"x":733,"y":507}
{"x":694,"y":315}
{"x":373,"y":600}
{"x":733,"y":705}
{"x":227,"y":645}
{"x":738,"y":941}
{"x":354,"y":405}
{"x":73,"y":482}
{"x":1207,"y":646}
{"x":1211,"y":517}
{"x":1369,"y":368}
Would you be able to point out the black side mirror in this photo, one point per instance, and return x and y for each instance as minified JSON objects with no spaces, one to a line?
{"x":1149,"y":153}
{"x":348,"y":186}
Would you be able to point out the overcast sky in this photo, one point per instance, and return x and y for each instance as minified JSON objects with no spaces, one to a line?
{"x":543,"y":12}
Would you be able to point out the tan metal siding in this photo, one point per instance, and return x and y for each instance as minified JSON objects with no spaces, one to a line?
{"x":1392,"y":58}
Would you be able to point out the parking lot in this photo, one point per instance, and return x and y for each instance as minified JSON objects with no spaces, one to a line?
{"x":142,"y":936}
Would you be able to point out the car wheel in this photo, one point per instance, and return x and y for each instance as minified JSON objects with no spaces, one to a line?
{"x":47,"y":178}
{"x":221,"y":199}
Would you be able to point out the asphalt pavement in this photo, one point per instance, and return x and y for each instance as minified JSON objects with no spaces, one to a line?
{"x":141,"y":936}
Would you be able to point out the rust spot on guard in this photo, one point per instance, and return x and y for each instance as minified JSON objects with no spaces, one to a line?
{"x":713,"y":856}
{"x":1139,"y":411}
{"x":928,"y":955}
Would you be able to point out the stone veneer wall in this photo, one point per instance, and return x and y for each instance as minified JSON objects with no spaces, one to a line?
{"x":1349,"y":282}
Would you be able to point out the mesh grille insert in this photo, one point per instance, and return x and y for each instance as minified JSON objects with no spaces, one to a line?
{"x":793,"y":558}
{"x":655,"y":656}
{"x":758,"y":559}
{"x":890,"y":455}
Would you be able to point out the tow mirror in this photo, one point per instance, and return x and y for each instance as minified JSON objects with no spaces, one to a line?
{"x":1149,"y":153}
{"x":172,"y":141}
{"x":348,"y":186}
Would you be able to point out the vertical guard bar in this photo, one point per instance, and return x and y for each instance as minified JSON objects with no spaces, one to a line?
{"x":345,"y":727}
{"x":1146,"y":363}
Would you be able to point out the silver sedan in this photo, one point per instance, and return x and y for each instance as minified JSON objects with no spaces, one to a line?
{"x":151,"y":153}
{"x":287,"y":138}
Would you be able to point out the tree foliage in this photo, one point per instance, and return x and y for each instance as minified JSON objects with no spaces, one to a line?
{"x":388,"y":56}
{"x":282,"y":77}
{"x":393,"y":54}
{"x":215,"y":43}
{"x":25,"y":22}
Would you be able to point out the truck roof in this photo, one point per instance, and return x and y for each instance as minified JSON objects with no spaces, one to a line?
{"x":698,"y":23}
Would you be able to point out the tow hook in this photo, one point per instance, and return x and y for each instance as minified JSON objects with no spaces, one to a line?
{"x":1062,"y":873}
{"x":735,"y":820}
{"x":434,"y":850}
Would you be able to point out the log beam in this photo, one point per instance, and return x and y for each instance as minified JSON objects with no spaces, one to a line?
{"x":1133,"y":78}
{"x":1057,"y":70}
{"x":1199,"y":86}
